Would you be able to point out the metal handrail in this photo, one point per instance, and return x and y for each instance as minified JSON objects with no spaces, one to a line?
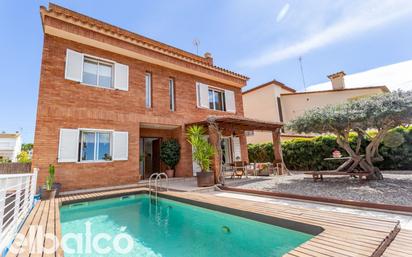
{"x":150,"y":183}
{"x":157,"y":177}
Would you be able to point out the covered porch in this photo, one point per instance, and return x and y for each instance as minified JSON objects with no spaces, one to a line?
{"x":221,"y":127}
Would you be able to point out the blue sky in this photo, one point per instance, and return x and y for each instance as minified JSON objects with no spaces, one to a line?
{"x":261,"y":39}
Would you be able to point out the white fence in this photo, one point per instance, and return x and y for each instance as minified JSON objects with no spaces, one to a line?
{"x":16,"y":200}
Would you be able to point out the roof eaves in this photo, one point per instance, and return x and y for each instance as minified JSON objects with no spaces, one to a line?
{"x":144,"y":41}
{"x":384,"y":89}
{"x":282,"y":85}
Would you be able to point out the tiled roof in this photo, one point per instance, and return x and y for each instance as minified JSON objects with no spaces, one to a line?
{"x":383,"y":88}
{"x":59,"y":12}
{"x":280,"y":84}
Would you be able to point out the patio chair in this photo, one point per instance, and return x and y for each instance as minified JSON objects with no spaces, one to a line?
{"x":279,"y":168}
{"x":239,"y":169}
{"x":228,"y":169}
{"x":263,"y":169}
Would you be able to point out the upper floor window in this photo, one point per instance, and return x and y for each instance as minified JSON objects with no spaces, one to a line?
{"x":148,"y":82}
{"x":214,"y":98}
{"x":95,"y":146}
{"x":217,"y":100}
{"x":97,"y":73}
{"x":172,"y":94}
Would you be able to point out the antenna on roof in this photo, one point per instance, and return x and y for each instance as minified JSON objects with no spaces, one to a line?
{"x":301,"y":72}
{"x":196,"y":43}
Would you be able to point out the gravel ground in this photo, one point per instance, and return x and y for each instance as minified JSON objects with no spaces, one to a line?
{"x":395,"y":188}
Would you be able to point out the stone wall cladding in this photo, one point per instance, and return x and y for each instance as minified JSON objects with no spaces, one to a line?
{"x":67,"y":104}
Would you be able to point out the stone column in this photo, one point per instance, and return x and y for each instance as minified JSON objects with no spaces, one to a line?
{"x":214,"y":140}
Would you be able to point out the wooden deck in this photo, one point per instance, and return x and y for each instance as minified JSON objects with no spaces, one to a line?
{"x":343,"y":235}
{"x":401,"y":246}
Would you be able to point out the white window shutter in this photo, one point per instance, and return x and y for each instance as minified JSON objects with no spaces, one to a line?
{"x":230,"y":101}
{"x":202,"y":95}
{"x":120,"y":145}
{"x":121,"y":76}
{"x":236,"y":149}
{"x":68,"y":145}
{"x":74,"y":65}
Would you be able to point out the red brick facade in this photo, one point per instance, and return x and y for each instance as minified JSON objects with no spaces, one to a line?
{"x":67,"y":104}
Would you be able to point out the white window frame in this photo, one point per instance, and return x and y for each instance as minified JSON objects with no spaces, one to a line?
{"x":96,"y":131}
{"x":223,"y":100}
{"x":98,"y":61}
{"x":148,"y":87}
{"x":172,"y":94}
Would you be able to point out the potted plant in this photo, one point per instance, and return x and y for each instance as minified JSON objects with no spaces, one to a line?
{"x":170,"y":155}
{"x":49,"y":190}
{"x":202,"y":154}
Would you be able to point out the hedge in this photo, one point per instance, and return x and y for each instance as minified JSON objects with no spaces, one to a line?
{"x":309,"y":153}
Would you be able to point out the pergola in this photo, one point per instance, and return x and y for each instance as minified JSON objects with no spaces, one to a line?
{"x":219,"y":126}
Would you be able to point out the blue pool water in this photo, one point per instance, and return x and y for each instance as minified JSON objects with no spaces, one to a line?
{"x":174,"y":229}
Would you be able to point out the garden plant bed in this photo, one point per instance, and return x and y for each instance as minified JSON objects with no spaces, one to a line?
{"x":394,"y":189}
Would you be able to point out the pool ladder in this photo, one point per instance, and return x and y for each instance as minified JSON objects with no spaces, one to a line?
{"x":157,"y":183}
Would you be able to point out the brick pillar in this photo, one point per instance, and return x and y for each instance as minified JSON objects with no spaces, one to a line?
{"x":277,"y":148}
{"x":243,"y":147}
{"x":214,"y":140}
{"x":185,"y":166}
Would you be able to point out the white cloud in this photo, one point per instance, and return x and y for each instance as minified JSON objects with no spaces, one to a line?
{"x":355,"y":20}
{"x":282,"y":13}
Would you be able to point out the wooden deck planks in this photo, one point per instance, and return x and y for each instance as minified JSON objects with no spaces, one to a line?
{"x":401,"y":246}
{"x":344,"y":234}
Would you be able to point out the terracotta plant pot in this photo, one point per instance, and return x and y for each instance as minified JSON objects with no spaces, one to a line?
{"x":170,"y":173}
{"x":205,"y":179}
{"x":48,"y":194}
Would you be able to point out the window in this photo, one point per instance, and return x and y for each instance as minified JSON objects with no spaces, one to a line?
{"x":95,"y":146}
{"x":97,"y":73}
{"x":172,"y":94}
{"x":148,"y":80}
{"x":216,"y":100}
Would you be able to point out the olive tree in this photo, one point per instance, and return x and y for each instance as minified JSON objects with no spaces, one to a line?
{"x":380,"y":112}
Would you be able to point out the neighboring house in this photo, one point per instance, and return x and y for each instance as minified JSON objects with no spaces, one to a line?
{"x":108,"y":97}
{"x":263,"y":102}
{"x":10,"y":146}
{"x":273,"y":101}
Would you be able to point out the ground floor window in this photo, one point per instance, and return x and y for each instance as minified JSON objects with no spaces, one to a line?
{"x":95,"y":146}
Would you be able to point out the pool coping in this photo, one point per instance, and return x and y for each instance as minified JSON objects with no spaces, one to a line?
{"x":342,"y":235}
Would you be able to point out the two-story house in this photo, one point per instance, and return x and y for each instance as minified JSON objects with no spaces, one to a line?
{"x":276,"y":102}
{"x":10,"y":146}
{"x":108,"y":97}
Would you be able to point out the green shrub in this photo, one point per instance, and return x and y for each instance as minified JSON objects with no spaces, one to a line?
{"x":309,"y":153}
{"x":170,"y":153}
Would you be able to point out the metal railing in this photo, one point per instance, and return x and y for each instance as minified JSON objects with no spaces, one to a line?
{"x":16,"y":201}
{"x":157,"y":183}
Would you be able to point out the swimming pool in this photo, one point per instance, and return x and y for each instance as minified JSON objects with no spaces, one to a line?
{"x":172,"y":229}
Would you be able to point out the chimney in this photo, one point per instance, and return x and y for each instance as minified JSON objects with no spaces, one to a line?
{"x":338,"y":80}
{"x":209,"y":58}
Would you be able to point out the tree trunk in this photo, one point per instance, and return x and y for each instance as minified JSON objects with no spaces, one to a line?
{"x":356,"y":160}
